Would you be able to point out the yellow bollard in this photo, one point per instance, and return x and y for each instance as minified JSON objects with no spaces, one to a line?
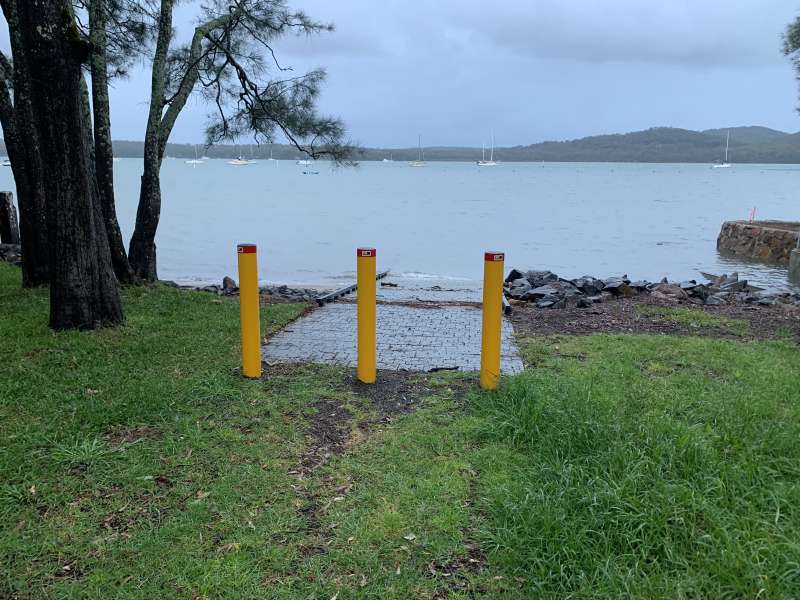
{"x":367,"y":342}
{"x":492,"y":319}
{"x":249,"y":310}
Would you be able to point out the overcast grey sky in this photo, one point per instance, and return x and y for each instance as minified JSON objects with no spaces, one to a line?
{"x":529,"y":70}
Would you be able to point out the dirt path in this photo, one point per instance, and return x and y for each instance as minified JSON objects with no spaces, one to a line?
{"x":629,"y":315}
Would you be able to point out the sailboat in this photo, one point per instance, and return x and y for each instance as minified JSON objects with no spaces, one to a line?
{"x":239,"y":161}
{"x":420,"y":162}
{"x":304,"y":162}
{"x":487,"y":163}
{"x":390,"y":159}
{"x":726,"y":164}
{"x":195,"y":161}
{"x":270,"y":153}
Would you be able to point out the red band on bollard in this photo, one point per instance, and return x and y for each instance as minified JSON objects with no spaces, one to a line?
{"x":494,"y":256}
{"x":246,"y":248}
{"x":365,"y":252}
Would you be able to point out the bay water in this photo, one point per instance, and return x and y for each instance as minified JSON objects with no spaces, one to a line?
{"x":432,"y":224}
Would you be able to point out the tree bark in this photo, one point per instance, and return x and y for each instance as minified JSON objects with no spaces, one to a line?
{"x":9,"y":229}
{"x":22,"y":145}
{"x":83,"y":288}
{"x":142,"y":252}
{"x":103,"y":149}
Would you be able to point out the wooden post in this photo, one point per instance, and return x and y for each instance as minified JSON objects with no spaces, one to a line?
{"x":9,"y":227}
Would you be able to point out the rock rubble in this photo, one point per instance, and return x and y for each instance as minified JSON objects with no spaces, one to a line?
{"x":546,"y":289}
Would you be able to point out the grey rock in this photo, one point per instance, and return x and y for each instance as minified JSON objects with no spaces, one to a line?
{"x":671,"y":290}
{"x":588,"y":285}
{"x":726,"y":279}
{"x":688,"y":285}
{"x":584,"y":303}
{"x":716,"y":300}
{"x":11,"y":253}
{"x":513,"y":275}
{"x":701,"y":291}
{"x":229,"y":285}
{"x":640,"y":285}
{"x":540,"y":278}
{"x":617,"y":286}
{"x":734,"y":286}
{"x":519,"y":288}
{"x":541,"y":292}
{"x":552,"y":302}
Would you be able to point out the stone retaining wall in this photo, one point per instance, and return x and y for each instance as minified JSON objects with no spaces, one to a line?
{"x":770,"y":241}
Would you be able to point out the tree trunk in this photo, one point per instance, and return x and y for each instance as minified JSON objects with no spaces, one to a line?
{"x":9,"y":230}
{"x":142,"y":251}
{"x":143,"y":242}
{"x":103,"y":150}
{"x":22,"y":145}
{"x":83,"y":288}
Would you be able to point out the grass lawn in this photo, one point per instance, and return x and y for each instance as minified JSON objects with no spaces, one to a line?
{"x":136,"y":463}
{"x":695,"y":318}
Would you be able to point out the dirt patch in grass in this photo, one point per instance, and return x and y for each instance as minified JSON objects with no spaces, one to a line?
{"x":394,"y":392}
{"x":455,"y":572}
{"x":126,"y":434}
{"x":629,"y":315}
{"x":328,"y":432}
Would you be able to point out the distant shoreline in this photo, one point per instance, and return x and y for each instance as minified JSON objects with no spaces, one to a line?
{"x":500,"y":163}
{"x":748,"y":145}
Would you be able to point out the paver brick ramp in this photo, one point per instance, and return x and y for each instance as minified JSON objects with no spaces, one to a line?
{"x":415,"y":338}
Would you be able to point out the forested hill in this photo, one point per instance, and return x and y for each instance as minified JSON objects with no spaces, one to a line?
{"x":663,"y":144}
{"x":659,"y":144}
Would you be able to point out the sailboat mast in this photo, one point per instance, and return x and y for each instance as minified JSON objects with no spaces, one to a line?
{"x":727,"y":141}
{"x":491,"y":154}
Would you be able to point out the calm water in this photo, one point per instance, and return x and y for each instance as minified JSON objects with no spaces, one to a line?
{"x":646,"y":220}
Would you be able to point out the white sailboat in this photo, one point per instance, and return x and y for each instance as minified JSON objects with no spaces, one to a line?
{"x":195,"y":161}
{"x":390,"y":159}
{"x":725,"y":164}
{"x":270,"y":153}
{"x":420,"y":162}
{"x":239,"y":161}
{"x":487,"y":163}
{"x":304,"y":162}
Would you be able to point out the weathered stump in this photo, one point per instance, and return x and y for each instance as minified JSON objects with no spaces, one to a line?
{"x":9,"y":226}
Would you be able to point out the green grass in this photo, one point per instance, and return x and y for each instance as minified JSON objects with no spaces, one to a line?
{"x":695,"y":318}
{"x":647,"y":467}
{"x":137,"y":463}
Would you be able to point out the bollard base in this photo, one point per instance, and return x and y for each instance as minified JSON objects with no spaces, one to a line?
{"x":794,"y":266}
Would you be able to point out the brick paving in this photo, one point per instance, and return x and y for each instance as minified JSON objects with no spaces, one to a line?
{"x":414,"y":338}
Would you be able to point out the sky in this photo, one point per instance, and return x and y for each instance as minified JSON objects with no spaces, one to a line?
{"x":456,"y":71}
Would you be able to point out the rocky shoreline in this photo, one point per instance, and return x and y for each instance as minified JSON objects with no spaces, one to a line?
{"x":11,"y":253}
{"x":545,"y":289}
{"x":281,"y":293}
